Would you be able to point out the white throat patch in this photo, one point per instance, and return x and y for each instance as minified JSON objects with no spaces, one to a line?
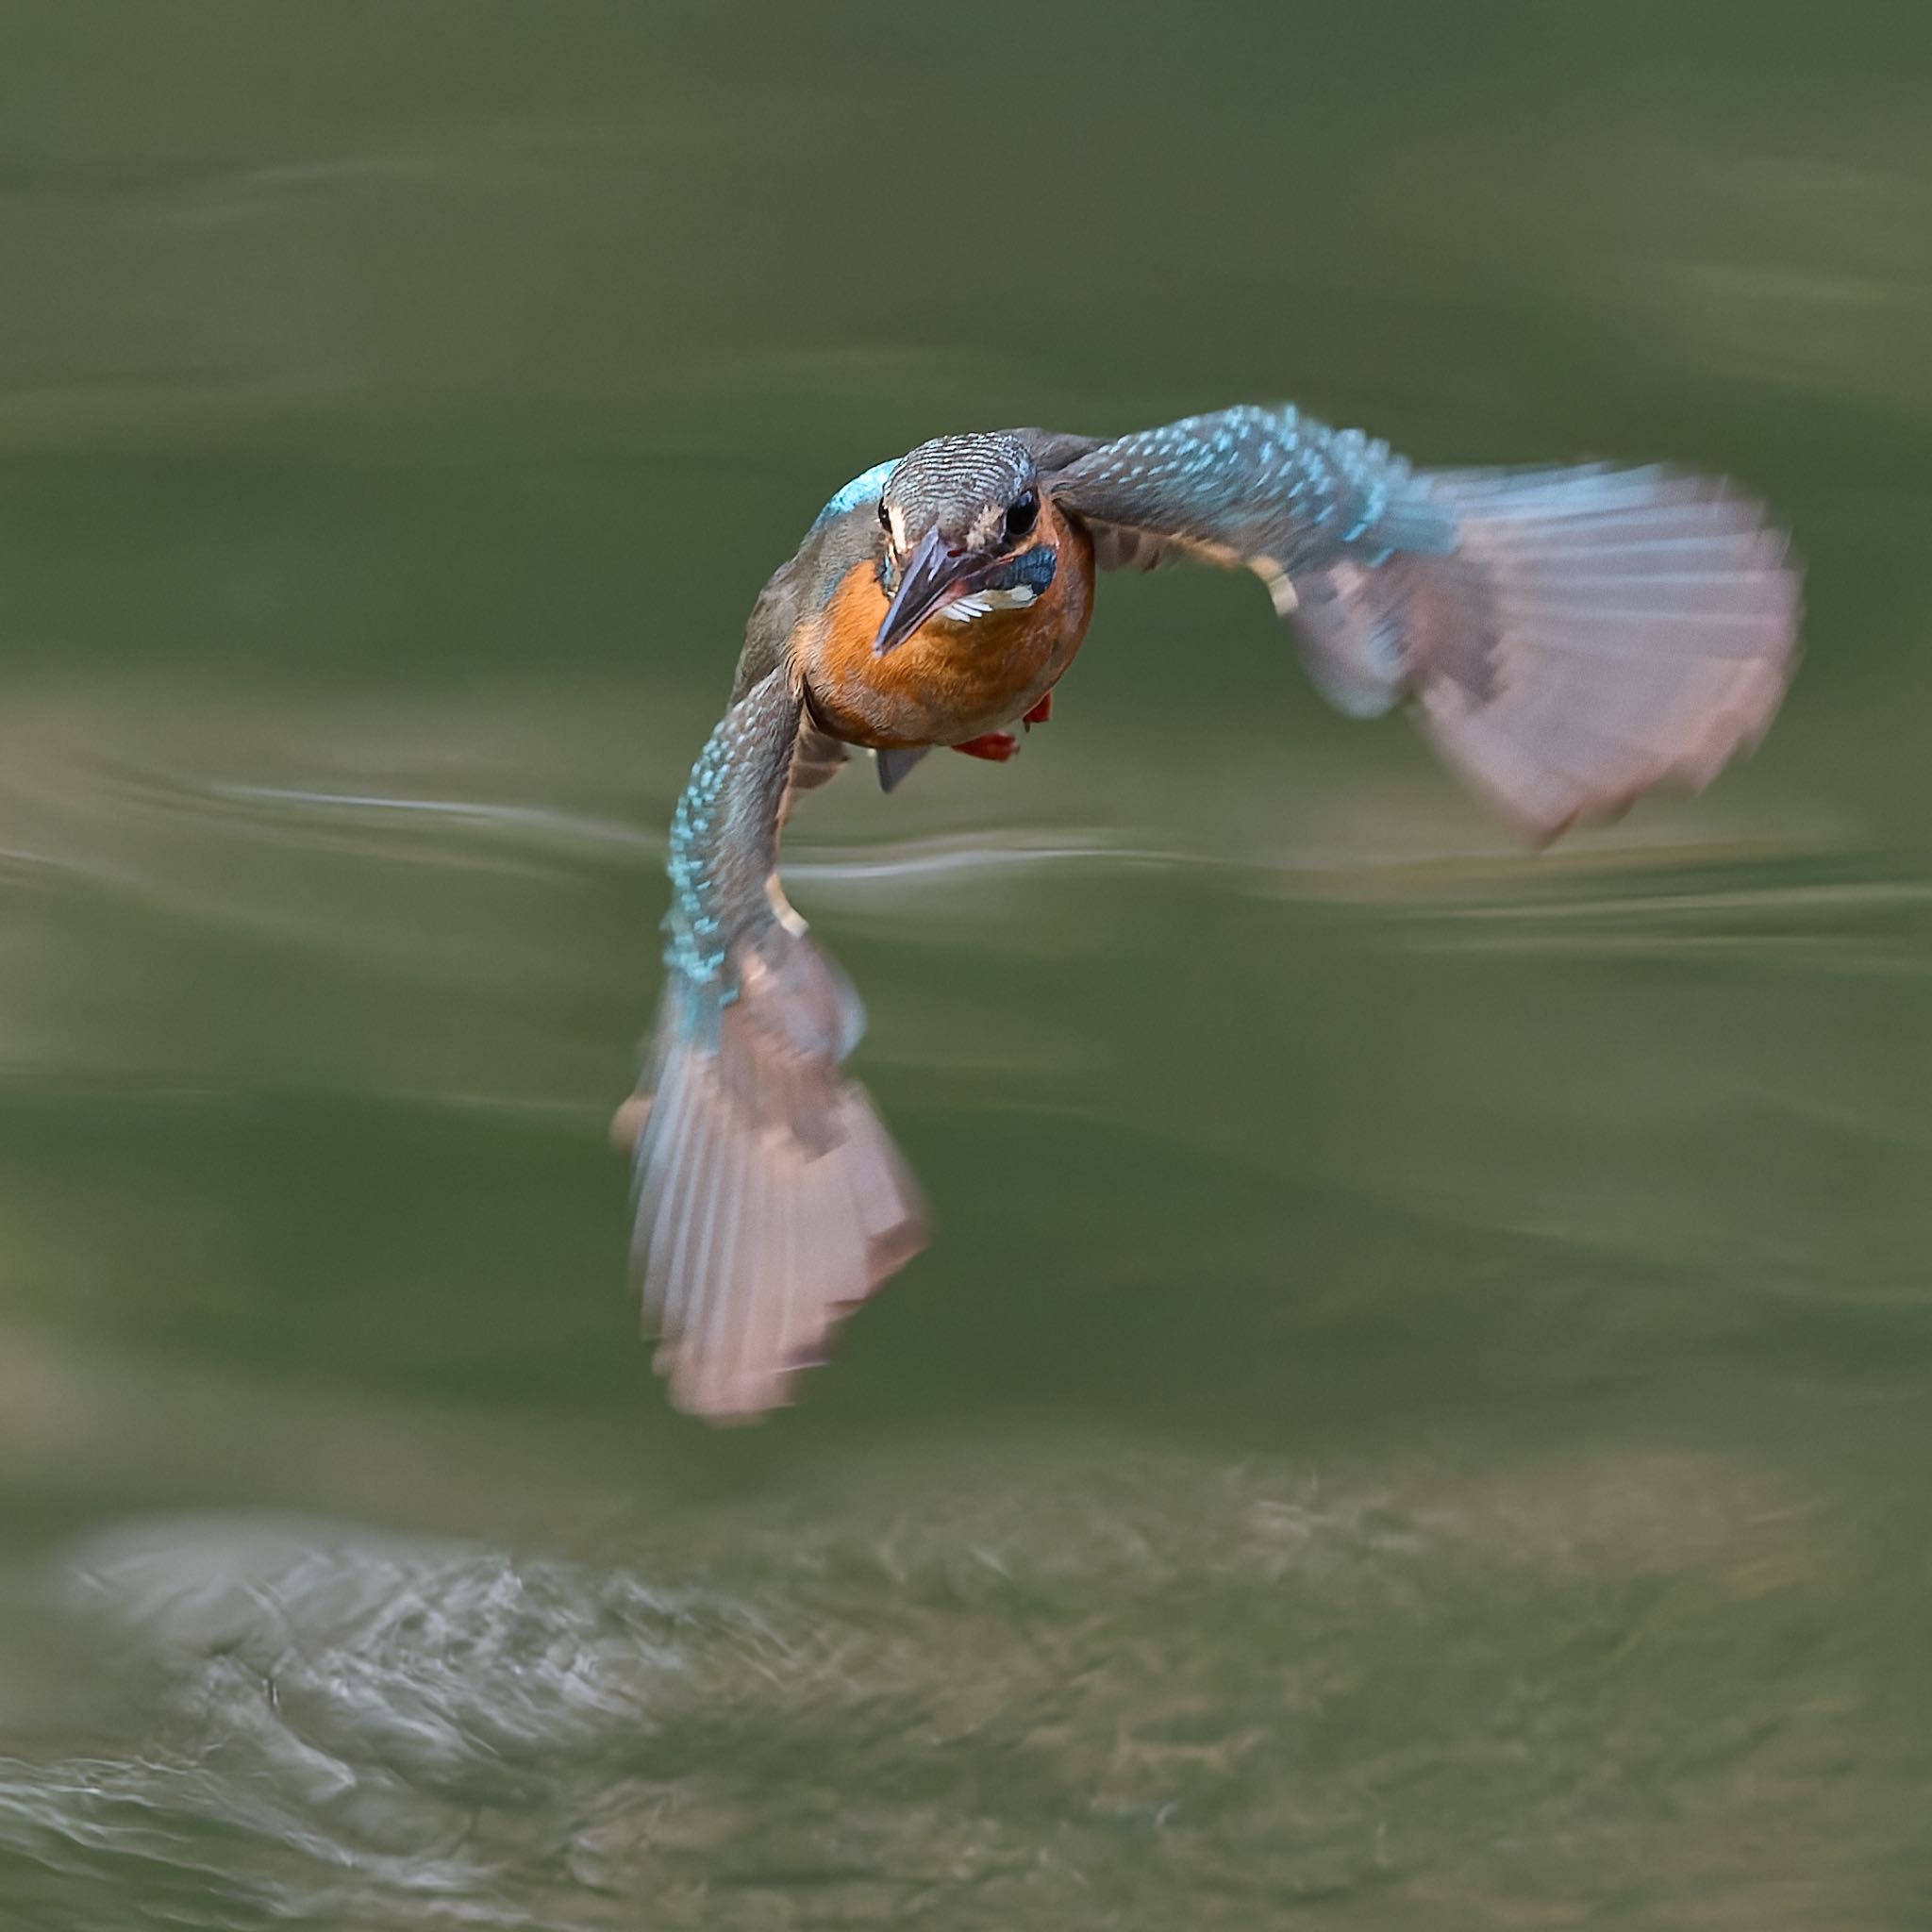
{"x":964,"y":609}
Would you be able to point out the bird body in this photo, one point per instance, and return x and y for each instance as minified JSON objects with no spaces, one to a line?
{"x":1569,"y":638}
{"x":955,"y":678}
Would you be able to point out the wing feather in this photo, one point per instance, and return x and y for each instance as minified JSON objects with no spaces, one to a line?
{"x":1570,"y":638}
{"x":769,"y":1200}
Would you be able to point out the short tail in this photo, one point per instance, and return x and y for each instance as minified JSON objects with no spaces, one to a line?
{"x":1592,"y":633}
{"x":770,"y":1199}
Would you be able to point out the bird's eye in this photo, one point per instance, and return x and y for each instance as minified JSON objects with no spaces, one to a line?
{"x":1023,"y":514}
{"x":885,"y":517}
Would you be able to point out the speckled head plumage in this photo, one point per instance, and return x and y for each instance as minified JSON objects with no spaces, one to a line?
{"x":961,"y":485}
{"x":961,"y":514}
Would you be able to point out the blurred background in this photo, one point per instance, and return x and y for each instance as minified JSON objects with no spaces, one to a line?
{"x":1417,"y":1414}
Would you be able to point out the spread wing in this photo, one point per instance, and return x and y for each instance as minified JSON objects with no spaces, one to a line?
{"x":1269,"y":488}
{"x":769,"y":1197}
{"x":1569,"y":638}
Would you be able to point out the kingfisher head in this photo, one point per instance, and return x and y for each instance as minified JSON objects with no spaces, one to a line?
{"x":963,"y":533}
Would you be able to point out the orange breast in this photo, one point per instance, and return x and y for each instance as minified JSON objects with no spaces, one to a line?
{"x":947,"y":681}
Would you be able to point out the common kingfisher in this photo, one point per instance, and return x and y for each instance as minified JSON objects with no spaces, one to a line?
{"x":1568,"y":637}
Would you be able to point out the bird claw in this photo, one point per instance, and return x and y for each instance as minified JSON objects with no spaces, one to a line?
{"x":1040,"y":713}
{"x":996,"y":745}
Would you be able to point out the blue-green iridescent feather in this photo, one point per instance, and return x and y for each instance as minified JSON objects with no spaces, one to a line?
{"x":769,"y":1199}
{"x":1261,"y":486}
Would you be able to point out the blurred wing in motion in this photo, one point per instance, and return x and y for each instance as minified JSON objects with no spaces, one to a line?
{"x":1596,"y":633}
{"x":768,"y":1198}
{"x":1570,"y":638}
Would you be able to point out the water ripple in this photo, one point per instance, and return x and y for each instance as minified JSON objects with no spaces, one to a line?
{"x":1139,"y":1693}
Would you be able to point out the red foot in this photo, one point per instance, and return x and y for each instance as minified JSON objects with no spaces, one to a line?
{"x":997,"y":745}
{"x":1040,"y":713}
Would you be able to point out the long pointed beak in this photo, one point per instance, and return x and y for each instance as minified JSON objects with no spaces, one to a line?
{"x":932,"y":576}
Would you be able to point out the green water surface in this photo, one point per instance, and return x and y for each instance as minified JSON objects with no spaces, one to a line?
{"x":1419,"y":1414}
